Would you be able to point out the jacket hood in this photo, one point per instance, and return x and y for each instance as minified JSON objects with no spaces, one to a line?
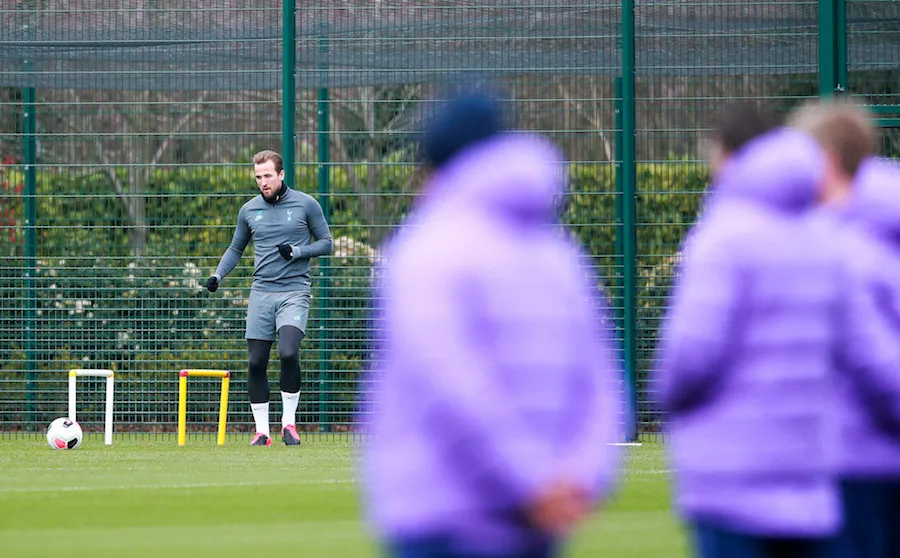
{"x":876,"y":197}
{"x":782,"y":169}
{"x":518,"y":176}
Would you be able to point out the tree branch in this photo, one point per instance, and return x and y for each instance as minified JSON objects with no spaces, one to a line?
{"x":335,"y":127}
{"x":390,"y":127}
{"x":591,"y":118}
{"x":105,"y":165}
{"x":107,"y":169}
{"x":182,"y":122}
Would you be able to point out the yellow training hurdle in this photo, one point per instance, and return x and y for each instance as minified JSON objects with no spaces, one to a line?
{"x":182,"y":401}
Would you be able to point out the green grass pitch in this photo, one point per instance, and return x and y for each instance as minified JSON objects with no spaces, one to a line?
{"x":146,"y":496}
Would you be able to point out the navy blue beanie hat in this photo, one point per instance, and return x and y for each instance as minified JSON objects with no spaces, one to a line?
{"x":458,"y":124}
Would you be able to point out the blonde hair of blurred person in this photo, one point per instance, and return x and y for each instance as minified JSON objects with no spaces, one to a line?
{"x":848,"y":136}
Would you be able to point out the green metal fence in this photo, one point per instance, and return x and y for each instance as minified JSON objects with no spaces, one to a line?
{"x":126,"y":130}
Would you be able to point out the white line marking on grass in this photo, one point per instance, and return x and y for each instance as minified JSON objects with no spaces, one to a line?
{"x":167,"y":485}
{"x":651,"y":471}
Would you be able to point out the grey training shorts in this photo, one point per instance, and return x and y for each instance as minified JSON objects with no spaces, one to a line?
{"x":268,"y":312}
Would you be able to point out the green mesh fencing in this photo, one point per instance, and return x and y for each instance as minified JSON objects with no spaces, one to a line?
{"x":877,"y":85}
{"x":126,"y":130}
{"x":723,"y":52}
{"x":134,"y":181}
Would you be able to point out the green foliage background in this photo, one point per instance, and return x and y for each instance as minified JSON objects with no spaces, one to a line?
{"x":148,"y":317}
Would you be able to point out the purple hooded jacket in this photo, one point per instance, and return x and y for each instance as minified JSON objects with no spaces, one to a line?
{"x":745,"y":363}
{"x":494,"y":372}
{"x":868,"y":397}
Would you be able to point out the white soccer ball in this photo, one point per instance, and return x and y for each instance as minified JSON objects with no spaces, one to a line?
{"x":64,"y":433}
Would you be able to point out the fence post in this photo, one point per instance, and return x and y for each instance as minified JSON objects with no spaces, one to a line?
{"x":619,"y":248}
{"x":628,"y":212}
{"x":288,"y":89}
{"x":832,"y":47}
{"x":29,"y":149}
{"x":840,"y":21}
{"x":325,"y":262}
{"x":619,"y":298}
{"x":30,"y":159}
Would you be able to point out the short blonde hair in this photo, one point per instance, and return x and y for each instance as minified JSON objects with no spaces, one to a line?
{"x":268,"y":155}
{"x":843,"y":128}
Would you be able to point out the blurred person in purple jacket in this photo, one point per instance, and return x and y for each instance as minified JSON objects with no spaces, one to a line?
{"x":745,"y":356}
{"x":862,"y":199}
{"x":495,"y":394}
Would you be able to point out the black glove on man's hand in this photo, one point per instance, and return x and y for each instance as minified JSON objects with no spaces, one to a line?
{"x":286,"y":251}
{"x":212,"y":284}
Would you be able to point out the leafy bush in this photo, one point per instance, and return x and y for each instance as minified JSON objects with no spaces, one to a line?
{"x":147,"y":317}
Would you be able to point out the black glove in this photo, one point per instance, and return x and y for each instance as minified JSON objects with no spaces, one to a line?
{"x":286,"y":251}
{"x":212,"y":284}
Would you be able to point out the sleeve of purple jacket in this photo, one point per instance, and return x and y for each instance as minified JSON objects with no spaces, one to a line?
{"x":699,"y":325}
{"x":452,"y":381}
{"x":592,"y":461}
{"x":868,"y":349}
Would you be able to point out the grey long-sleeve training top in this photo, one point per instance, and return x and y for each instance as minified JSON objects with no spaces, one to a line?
{"x":295,"y":219}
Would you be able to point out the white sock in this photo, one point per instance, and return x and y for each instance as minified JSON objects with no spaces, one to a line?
{"x":289,"y":412}
{"x":261,"y":416}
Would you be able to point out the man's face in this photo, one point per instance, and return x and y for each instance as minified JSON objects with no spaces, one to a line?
{"x":715,"y":157}
{"x":267,"y":180}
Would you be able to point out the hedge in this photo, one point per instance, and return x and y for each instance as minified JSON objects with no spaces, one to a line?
{"x":146,"y":317}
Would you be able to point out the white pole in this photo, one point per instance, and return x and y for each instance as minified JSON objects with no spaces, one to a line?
{"x":72,"y":378}
{"x":110,"y":377}
{"x":108,"y":430}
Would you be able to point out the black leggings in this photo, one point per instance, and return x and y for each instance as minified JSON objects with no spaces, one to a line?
{"x":289,"y":339}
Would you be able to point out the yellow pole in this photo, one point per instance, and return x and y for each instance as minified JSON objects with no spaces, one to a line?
{"x":223,"y":409}
{"x":206,"y":373}
{"x":182,"y":408}
{"x":182,"y":401}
